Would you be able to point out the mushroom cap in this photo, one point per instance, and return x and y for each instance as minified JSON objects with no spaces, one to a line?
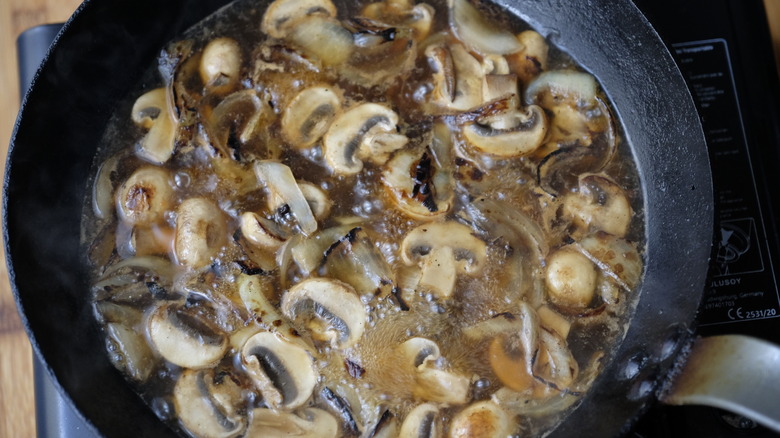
{"x":331,"y":309}
{"x":283,"y":371}
{"x":509,"y":134}
{"x":366,"y":131}
{"x":309,"y":115}
{"x":571,"y":278}
{"x":185,"y":338}
{"x":282,"y":15}
{"x":145,"y":196}
{"x":207,"y":406}
{"x":201,"y":231}
{"x":483,"y":419}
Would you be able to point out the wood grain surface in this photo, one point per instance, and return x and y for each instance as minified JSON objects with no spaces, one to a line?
{"x":17,"y":411}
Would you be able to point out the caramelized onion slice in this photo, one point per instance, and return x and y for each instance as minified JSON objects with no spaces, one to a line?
{"x":474,"y":29}
{"x":617,"y":257}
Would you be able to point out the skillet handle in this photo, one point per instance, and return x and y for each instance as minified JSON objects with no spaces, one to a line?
{"x":733,"y":372}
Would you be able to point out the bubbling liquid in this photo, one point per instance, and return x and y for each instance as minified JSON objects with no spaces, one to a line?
{"x":374,"y":219}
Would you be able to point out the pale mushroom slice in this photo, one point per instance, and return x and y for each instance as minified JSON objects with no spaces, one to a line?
{"x":443,"y":250}
{"x":431,"y":382}
{"x":153,"y":111}
{"x":306,"y":423}
{"x":201,"y":232}
{"x":283,"y":371}
{"x":422,"y":422}
{"x":309,"y":114}
{"x":220,"y":64}
{"x":570,"y":278}
{"x":600,"y":204}
{"x":283,"y":189}
{"x":479,"y":33}
{"x":368,"y":131}
{"x":513,"y":133}
{"x":282,"y":15}
{"x":185,"y":338}
{"x":207,"y":404}
{"x":145,"y":197}
{"x":484,"y":419}
{"x":331,"y":310}
{"x":418,"y":184}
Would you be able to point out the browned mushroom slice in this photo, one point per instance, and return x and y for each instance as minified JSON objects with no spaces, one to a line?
{"x":201,"y":231}
{"x":599,"y":204}
{"x":617,"y":257}
{"x":208,"y":403}
{"x":531,"y":61}
{"x":457,"y":78}
{"x":153,"y":111}
{"x":512,"y":133}
{"x":145,"y":196}
{"x":403,"y":13}
{"x":309,"y":115}
{"x":282,"y":15}
{"x":306,"y":423}
{"x":484,"y":419}
{"x":443,"y":250}
{"x":479,"y":33}
{"x":419,"y":185}
{"x":330,"y":309}
{"x":365,"y":132}
{"x":422,"y":422}
{"x":283,"y":371}
{"x":185,"y":338}
{"x":220,"y":64}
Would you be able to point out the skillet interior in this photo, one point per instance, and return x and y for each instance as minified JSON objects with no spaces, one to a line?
{"x":107,"y":45}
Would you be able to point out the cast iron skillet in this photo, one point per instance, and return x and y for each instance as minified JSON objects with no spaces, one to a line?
{"x":100,"y":55}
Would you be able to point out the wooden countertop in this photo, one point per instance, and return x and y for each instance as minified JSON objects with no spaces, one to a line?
{"x":17,"y":409}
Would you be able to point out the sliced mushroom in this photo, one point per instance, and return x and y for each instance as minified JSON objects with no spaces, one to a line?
{"x":282,"y":189}
{"x":252,"y":293}
{"x":261,"y":232}
{"x":185,"y":338}
{"x":365,"y":132}
{"x":283,"y":371}
{"x":208,"y":404}
{"x":418,"y":17}
{"x":479,"y":33}
{"x":330,"y":309}
{"x":323,"y":38}
{"x":145,"y":197}
{"x":571,"y":278}
{"x":220,"y":63}
{"x":201,"y":232}
{"x":282,"y":15}
{"x":432,"y":383}
{"x":418,"y":185}
{"x":443,"y":250}
{"x":483,"y":419}
{"x":130,"y":352}
{"x":153,"y":111}
{"x":509,"y":134}
{"x":457,"y":78}
{"x":422,"y":422}
{"x":308,"y":116}
{"x":553,"y":87}
{"x":600,"y":204}
{"x":531,"y":61}
{"x":617,"y":257}
{"x":306,"y":423}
